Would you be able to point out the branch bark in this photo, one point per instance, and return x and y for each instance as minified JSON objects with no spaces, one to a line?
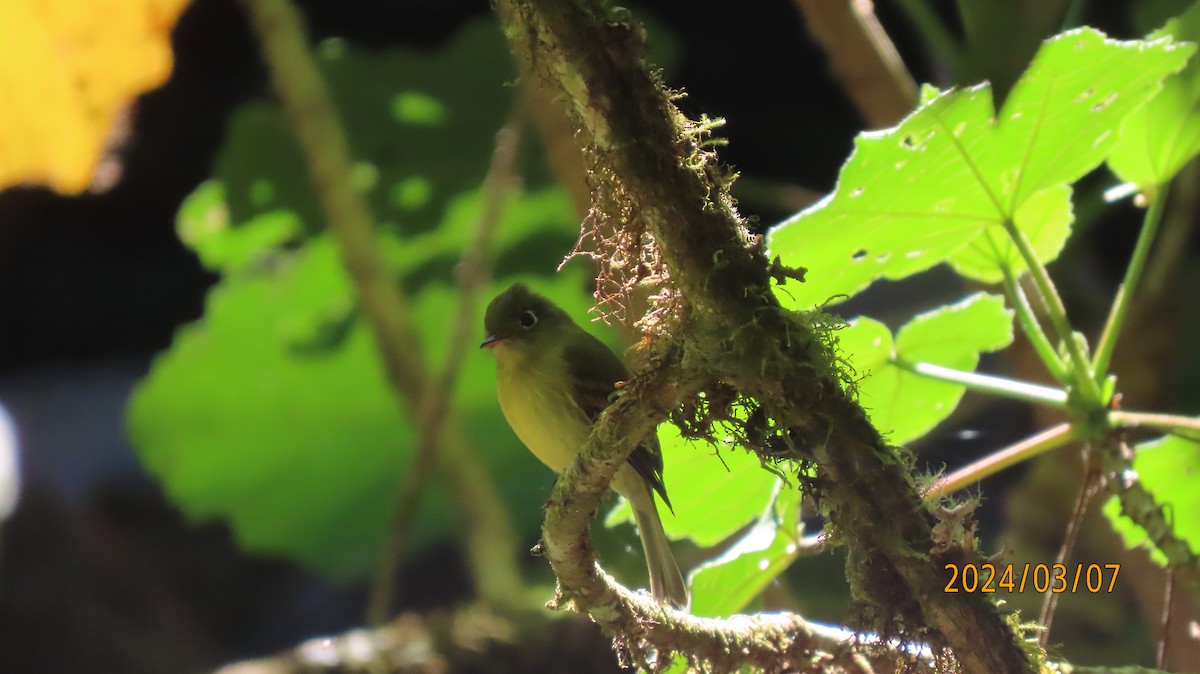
{"x":863,"y":58}
{"x":647,"y":160}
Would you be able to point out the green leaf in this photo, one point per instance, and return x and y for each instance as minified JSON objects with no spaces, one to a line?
{"x":538,"y":211}
{"x":953,"y":336}
{"x":1168,"y":468}
{"x":300,"y":452}
{"x":693,"y":473}
{"x":725,"y":585}
{"x":904,"y":405}
{"x":1045,"y":218}
{"x":1157,"y":140}
{"x":910,"y":197}
{"x":203,"y":224}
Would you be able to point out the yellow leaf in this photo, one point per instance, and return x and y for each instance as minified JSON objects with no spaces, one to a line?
{"x":68,"y":71}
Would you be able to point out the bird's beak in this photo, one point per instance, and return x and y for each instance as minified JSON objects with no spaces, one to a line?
{"x":490,"y":342}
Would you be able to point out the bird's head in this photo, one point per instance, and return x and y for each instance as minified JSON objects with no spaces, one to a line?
{"x":522,"y":323}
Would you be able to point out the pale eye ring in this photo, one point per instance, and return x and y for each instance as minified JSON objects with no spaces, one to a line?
{"x":528,"y":319}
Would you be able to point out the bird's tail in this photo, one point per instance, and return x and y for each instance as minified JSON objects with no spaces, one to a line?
{"x":666,"y":583}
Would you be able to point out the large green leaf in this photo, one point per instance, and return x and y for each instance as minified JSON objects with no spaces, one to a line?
{"x":725,"y":585}
{"x":1158,"y":139}
{"x":693,"y":473}
{"x":301,"y":452}
{"x":1168,"y":468}
{"x":910,"y":197}
{"x":905,"y":405}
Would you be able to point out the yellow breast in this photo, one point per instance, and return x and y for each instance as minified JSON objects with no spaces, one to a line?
{"x":535,"y":395}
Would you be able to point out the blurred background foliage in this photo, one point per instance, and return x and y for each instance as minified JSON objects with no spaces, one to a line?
{"x":209,"y":450}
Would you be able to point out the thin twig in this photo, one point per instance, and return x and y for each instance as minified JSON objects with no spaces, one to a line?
{"x":1035,"y":445}
{"x":863,"y":58}
{"x":322,"y":139}
{"x":1164,"y":623}
{"x":473,"y":273}
{"x":315,"y":122}
{"x":1184,"y":427}
{"x":1092,"y":482}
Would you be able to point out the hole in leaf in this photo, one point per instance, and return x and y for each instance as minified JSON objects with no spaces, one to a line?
{"x":1108,"y":100}
{"x":883,"y":257}
{"x":856,"y":192}
{"x":859,"y":255}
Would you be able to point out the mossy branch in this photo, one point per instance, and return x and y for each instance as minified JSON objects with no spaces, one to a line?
{"x":650,"y":632}
{"x":648,"y":170}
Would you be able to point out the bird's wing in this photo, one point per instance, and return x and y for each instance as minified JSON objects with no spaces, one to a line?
{"x":594,"y":373}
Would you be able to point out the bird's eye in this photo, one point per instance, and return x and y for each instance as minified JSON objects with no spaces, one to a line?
{"x":528,"y":319}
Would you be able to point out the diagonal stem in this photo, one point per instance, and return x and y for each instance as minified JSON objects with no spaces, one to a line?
{"x":982,"y":383}
{"x":932,"y":28}
{"x":1184,"y":427}
{"x":863,"y":58}
{"x":1091,"y":484}
{"x":1036,"y":445}
{"x":1033,"y":329}
{"x":472,"y":271}
{"x":1125,"y":292}
{"x":1081,"y":369}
